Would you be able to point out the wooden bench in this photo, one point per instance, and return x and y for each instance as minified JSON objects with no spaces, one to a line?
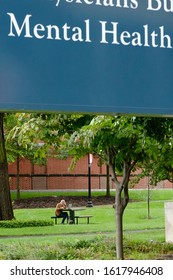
{"x":83,"y":217}
{"x":56,"y":218}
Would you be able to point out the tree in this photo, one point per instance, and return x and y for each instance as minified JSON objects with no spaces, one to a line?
{"x":6,"y":209}
{"x":37,"y":136}
{"x":23,"y":132}
{"x":13,"y":150}
{"x":121,"y":143}
{"x":162,"y":168}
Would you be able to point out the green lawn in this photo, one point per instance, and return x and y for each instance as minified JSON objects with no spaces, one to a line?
{"x":103,"y":221}
{"x":136,"y":195}
{"x":143,"y":237}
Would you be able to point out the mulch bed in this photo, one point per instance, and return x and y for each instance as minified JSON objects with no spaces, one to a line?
{"x":51,"y":201}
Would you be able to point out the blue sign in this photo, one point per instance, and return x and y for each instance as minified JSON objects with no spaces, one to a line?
{"x":87,"y":56}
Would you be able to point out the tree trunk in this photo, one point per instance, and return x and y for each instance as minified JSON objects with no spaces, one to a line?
{"x":6,"y":210}
{"x":119,"y":224}
{"x":121,"y":201}
{"x":118,"y":215}
{"x":18,"y":178}
{"x":107,"y":181}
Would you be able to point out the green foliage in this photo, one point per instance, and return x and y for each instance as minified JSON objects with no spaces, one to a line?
{"x":23,"y":223}
{"x":116,"y":141}
{"x":36,"y":136}
{"x":161,"y":167}
{"x":146,"y":250}
{"x":99,"y":248}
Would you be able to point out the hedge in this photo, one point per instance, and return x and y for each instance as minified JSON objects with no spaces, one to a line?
{"x":26,"y":223}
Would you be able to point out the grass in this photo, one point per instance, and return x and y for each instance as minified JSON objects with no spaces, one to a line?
{"x":91,"y":248}
{"x":135,"y":218}
{"x":143,"y":238}
{"x":135,"y":195}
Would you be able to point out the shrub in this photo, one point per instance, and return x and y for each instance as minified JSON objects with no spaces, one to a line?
{"x":25,"y":223}
{"x":93,"y":249}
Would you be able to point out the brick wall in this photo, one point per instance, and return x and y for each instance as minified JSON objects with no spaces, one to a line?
{"x":56,"y":175}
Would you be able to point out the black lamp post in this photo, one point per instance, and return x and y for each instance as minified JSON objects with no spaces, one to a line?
{"x":89,"y":204}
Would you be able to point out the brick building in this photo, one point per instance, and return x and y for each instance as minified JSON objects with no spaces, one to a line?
{"x":55,"y":175}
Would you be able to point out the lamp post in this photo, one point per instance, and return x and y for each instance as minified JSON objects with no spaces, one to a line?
{"x":90,"y":158}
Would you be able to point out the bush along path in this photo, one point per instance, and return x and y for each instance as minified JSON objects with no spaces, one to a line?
{"x":97,"y":248}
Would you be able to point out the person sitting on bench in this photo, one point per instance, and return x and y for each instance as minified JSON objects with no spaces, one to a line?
{"x":59,"y":210}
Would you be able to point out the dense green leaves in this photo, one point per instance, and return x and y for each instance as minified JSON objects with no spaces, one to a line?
{"x":27,"y":223}
{"x":37,"y":136}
